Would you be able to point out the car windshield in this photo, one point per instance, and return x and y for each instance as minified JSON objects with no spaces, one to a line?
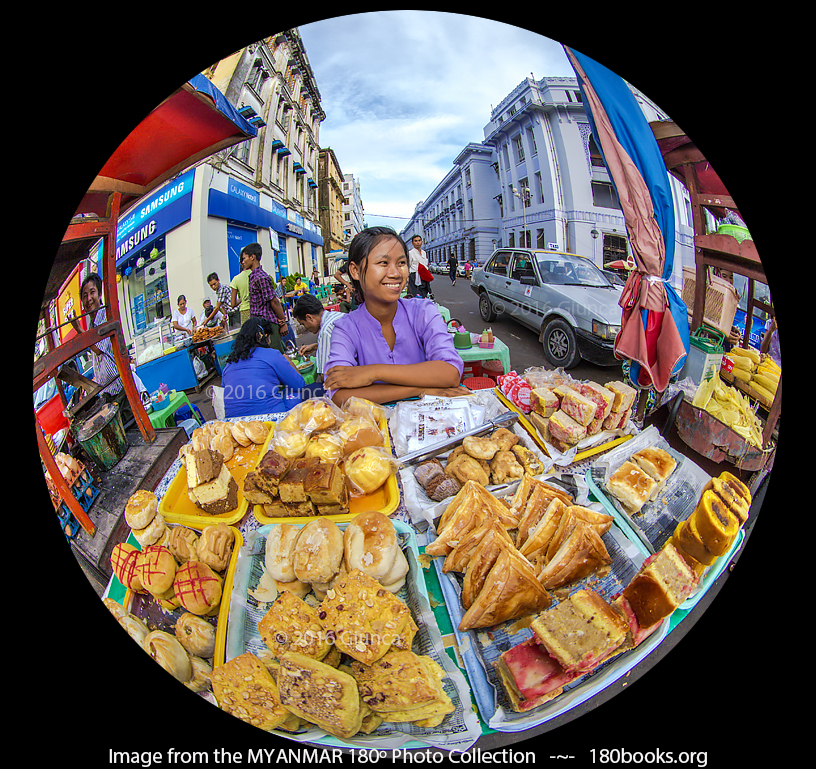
{"x":566,"y":270}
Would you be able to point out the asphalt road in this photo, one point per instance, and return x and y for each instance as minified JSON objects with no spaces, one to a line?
{"x":525,"y":349}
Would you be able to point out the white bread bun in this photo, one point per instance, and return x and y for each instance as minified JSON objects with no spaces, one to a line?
{"x":152,"y":533}
{"x":195,"y":634}
{"x":370,"y":544}
{"x":169,"y":653}
{"x":224,"y":444}
{"x":280,"y":547}
{"x":239,"y":433}
{"x":141,"y":509}
{"x":200,"y":439}
{"x":318,"y":551}
{"x":256,"y":431}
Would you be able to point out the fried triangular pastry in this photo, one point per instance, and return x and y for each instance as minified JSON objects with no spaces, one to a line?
{"x":511,"y":590}
{"x":459,"y":557}
{"x":580,"y":554}
{"x":541,"y":533}
{"x":480,"y":564}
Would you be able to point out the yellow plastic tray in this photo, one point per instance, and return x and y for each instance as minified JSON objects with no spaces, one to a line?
{"x":176,"y":506}
{"x":385,"y":500}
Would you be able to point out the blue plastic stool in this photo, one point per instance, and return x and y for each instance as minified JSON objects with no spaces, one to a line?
{"x":189,"y":425}
{"x":184,"y":413}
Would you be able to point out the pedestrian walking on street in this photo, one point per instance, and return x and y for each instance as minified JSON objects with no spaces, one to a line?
{"x":452,"y":267}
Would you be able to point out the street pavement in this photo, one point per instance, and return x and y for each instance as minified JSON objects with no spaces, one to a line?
{"x":525,"y":349}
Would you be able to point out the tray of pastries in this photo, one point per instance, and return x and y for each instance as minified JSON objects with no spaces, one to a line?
{"x":324,"y":461}
{"x":212,"y":466}
{"x":521,"y":573}
{"x":332,"y":622}
{"x":177,"y":589}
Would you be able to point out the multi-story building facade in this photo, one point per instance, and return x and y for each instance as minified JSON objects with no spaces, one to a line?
{"x":262,"y":190}
{"x":537,"y":180}
{"x":461,"y":216}
{"x":353,"y":211}
{"x":330,"y":203}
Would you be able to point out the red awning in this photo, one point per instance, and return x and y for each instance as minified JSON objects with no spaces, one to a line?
{"x":191,"y":124}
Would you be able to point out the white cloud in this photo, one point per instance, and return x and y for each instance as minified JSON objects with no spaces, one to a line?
{"x":405,"y":91}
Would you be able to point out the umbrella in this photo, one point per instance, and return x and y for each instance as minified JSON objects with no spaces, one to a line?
{"x":654,"y":331}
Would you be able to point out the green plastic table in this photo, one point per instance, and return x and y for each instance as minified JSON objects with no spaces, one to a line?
{"x":164,"y":417}
{"x":500,"y":351}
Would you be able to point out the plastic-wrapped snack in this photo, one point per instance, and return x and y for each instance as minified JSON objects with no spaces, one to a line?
{"x":357,"y":432}
{"x":318,"y":414}
{"x":361,"y":407}
{"x":368,"y":468}
{"x":289,"y":444}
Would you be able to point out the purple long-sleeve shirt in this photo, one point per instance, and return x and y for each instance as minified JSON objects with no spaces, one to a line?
{"x":421,"y":335}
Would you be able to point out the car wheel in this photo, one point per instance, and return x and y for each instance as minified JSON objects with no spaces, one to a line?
{"x":486,"y":308}
{"x":560,"y":344}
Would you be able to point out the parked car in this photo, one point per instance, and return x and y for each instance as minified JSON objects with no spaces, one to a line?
{"x":564,"y":297}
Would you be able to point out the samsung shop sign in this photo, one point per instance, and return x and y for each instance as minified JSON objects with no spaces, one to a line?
{"x":155,"y":215}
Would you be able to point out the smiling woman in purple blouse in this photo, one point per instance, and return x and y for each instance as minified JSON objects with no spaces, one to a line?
{"x":389,"y":348}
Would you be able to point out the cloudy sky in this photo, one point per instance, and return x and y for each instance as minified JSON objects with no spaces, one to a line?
{"x":405,"y":91}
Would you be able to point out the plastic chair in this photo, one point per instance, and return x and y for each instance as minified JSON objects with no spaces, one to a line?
{"x":471,"y":369}
{"x":189,"y":425}
{"x":479,"y":383}
{"x":492,"y":369}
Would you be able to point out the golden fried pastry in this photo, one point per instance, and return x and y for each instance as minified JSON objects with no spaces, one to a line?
{"x":135,"y":628}
{"x":320,"y":694}
{"x":215,"y":546}
{"x":366,"y":618}
{"x":511,"y":589}
{"x":200,"y":680}
{"x":466,"y":468}
{"x":480,"y":448}
{"x":292,"y":625}
{"x":459,"y":557}
{"x":256,"y":431}
{"x":528,"y":460}
{"x":195,"y":634}
{"x":402,"y":686}
{"x":505,"y":438}
{"x":505,"y":468}
{"x":181,"y":542}
{"x":480,"y":563}
{"x":244,"y":688}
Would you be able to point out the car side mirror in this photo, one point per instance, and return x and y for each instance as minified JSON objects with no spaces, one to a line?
{"x":528,"y":280}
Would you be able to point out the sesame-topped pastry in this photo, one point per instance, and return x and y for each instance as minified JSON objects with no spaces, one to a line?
{"x":291,"y":624}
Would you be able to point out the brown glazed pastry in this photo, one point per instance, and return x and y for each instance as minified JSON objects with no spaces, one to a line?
{"x":270,"y":470}
{"x":156,"y":569}
{"x":141,"y":509}
{"x":215,"y":546}
{"x":291,"y":487}
{"x":442,"y":486}
{"x":181,"y":542}
{"x":426,"y":471}
{"x":325,"y":484}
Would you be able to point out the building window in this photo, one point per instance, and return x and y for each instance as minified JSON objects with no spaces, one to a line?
{"x":531,"y":140}
{"x":595,"y":158}
{"x":604,"y":195}
{"x":614,"y":248}
{"x":519,"y":148}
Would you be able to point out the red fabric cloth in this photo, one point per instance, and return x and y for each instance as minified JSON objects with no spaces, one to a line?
{"x":424,"y":273}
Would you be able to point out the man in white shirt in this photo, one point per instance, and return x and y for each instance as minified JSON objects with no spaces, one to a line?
{"x":417,"y":256}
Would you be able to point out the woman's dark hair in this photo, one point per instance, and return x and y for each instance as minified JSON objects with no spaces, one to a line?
{"x":307,"y":304}
{"x":361,"y":247}
{"x":180,"y":297}
{"x":251,"y":335}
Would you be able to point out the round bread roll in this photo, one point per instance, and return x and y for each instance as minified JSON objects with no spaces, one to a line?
{"x":141,"y":509}
{"x":115,"y":608}
{"x":367,"y":469}
{"x":135,"y":628}
{"x":357,"y":432}
{"x":169,"y":653}
{"x":198,"y":588}
{"x":182,"y":542}
{"x":124,"y":557}
{"x":256,"y":431}
{"x":362,"y":407}
{"x":395,"y":578}
{"x":156,"y":568}
{"x":214,"y":546}
{"x":291,"y":422}
{"x":195,"y":634}
{"x":168,"y":599}
{"x":327,"y":447}
{"x":239,"y":433}
{"x":223,"y":444}
{"x":279,"y":552}
{"x":200,"y":439}
{"x":370,"y":544}
{"x":152,"y":533}
{"x":318,"y":551}
{"x":201,"y":679}
{"x":316,"y":415}
{"x":290,"y":445}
